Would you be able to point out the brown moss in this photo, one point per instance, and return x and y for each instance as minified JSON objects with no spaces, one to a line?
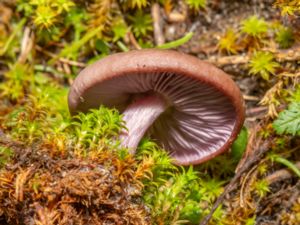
{"x":37,"y":188}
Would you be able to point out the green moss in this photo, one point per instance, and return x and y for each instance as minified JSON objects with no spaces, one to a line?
{"x":254,"y":26}
{"x":263,"y":64}
{"x":285,"y":37}
{"x":196,"y":4}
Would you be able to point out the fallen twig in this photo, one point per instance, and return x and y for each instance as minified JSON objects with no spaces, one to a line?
{"x":292,"y":54}
{"x":228,"y":60}
{"x":158,"y":33}
{"x":133,"y":41}
{"x":175,"y":16}
{"x":251,"y":98}
{"x":255,"y":113}
{"x":26,"y":45}
{"x":252,"y":158}
{"x":256,"y":110}
{"x":280,"y":175}
{"x":63,"y":60}
{"x":245,"y":183}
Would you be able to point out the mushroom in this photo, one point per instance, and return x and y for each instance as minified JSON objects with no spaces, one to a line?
{"x":194,"y":110}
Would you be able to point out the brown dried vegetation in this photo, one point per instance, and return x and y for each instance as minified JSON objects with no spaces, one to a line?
{"x":36,"y":188}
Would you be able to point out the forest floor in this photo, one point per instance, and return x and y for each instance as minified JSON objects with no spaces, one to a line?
{"x":51,"y":170}
{"x":208,"y":29}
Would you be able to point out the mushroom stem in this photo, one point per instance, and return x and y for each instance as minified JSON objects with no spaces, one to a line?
{"x":138,"y":117}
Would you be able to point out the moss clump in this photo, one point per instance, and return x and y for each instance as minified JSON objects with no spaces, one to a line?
{"x":35,"y":186}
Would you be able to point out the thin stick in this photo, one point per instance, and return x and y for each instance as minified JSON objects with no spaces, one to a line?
{"x":280,"y":175}
{"x":253,"y":158}
{"x":250,"y":98}
{"x":158,"y":33}
{"x":63,"y":60}
{"x":244,"y":185}
{"x":292,"y":54}
{"x":26,"y":45}
{"x":133,"y":41}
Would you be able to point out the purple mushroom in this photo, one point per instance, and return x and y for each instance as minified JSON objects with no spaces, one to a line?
{"x":194,"y":110}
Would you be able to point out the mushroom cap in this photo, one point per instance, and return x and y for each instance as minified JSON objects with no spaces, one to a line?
{"x":206,"y":108}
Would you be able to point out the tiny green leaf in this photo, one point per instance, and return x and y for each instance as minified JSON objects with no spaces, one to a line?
{"x":287,"y":163}
{"x":176,"y":43}
{"x":288,"y":121}
{"x":238,"y":147}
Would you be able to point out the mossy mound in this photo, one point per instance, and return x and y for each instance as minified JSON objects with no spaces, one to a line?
{"x":38,"y":188}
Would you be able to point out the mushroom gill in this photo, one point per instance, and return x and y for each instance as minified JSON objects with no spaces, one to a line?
{"x":192,"y":108}
{"x":188,"y":117}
